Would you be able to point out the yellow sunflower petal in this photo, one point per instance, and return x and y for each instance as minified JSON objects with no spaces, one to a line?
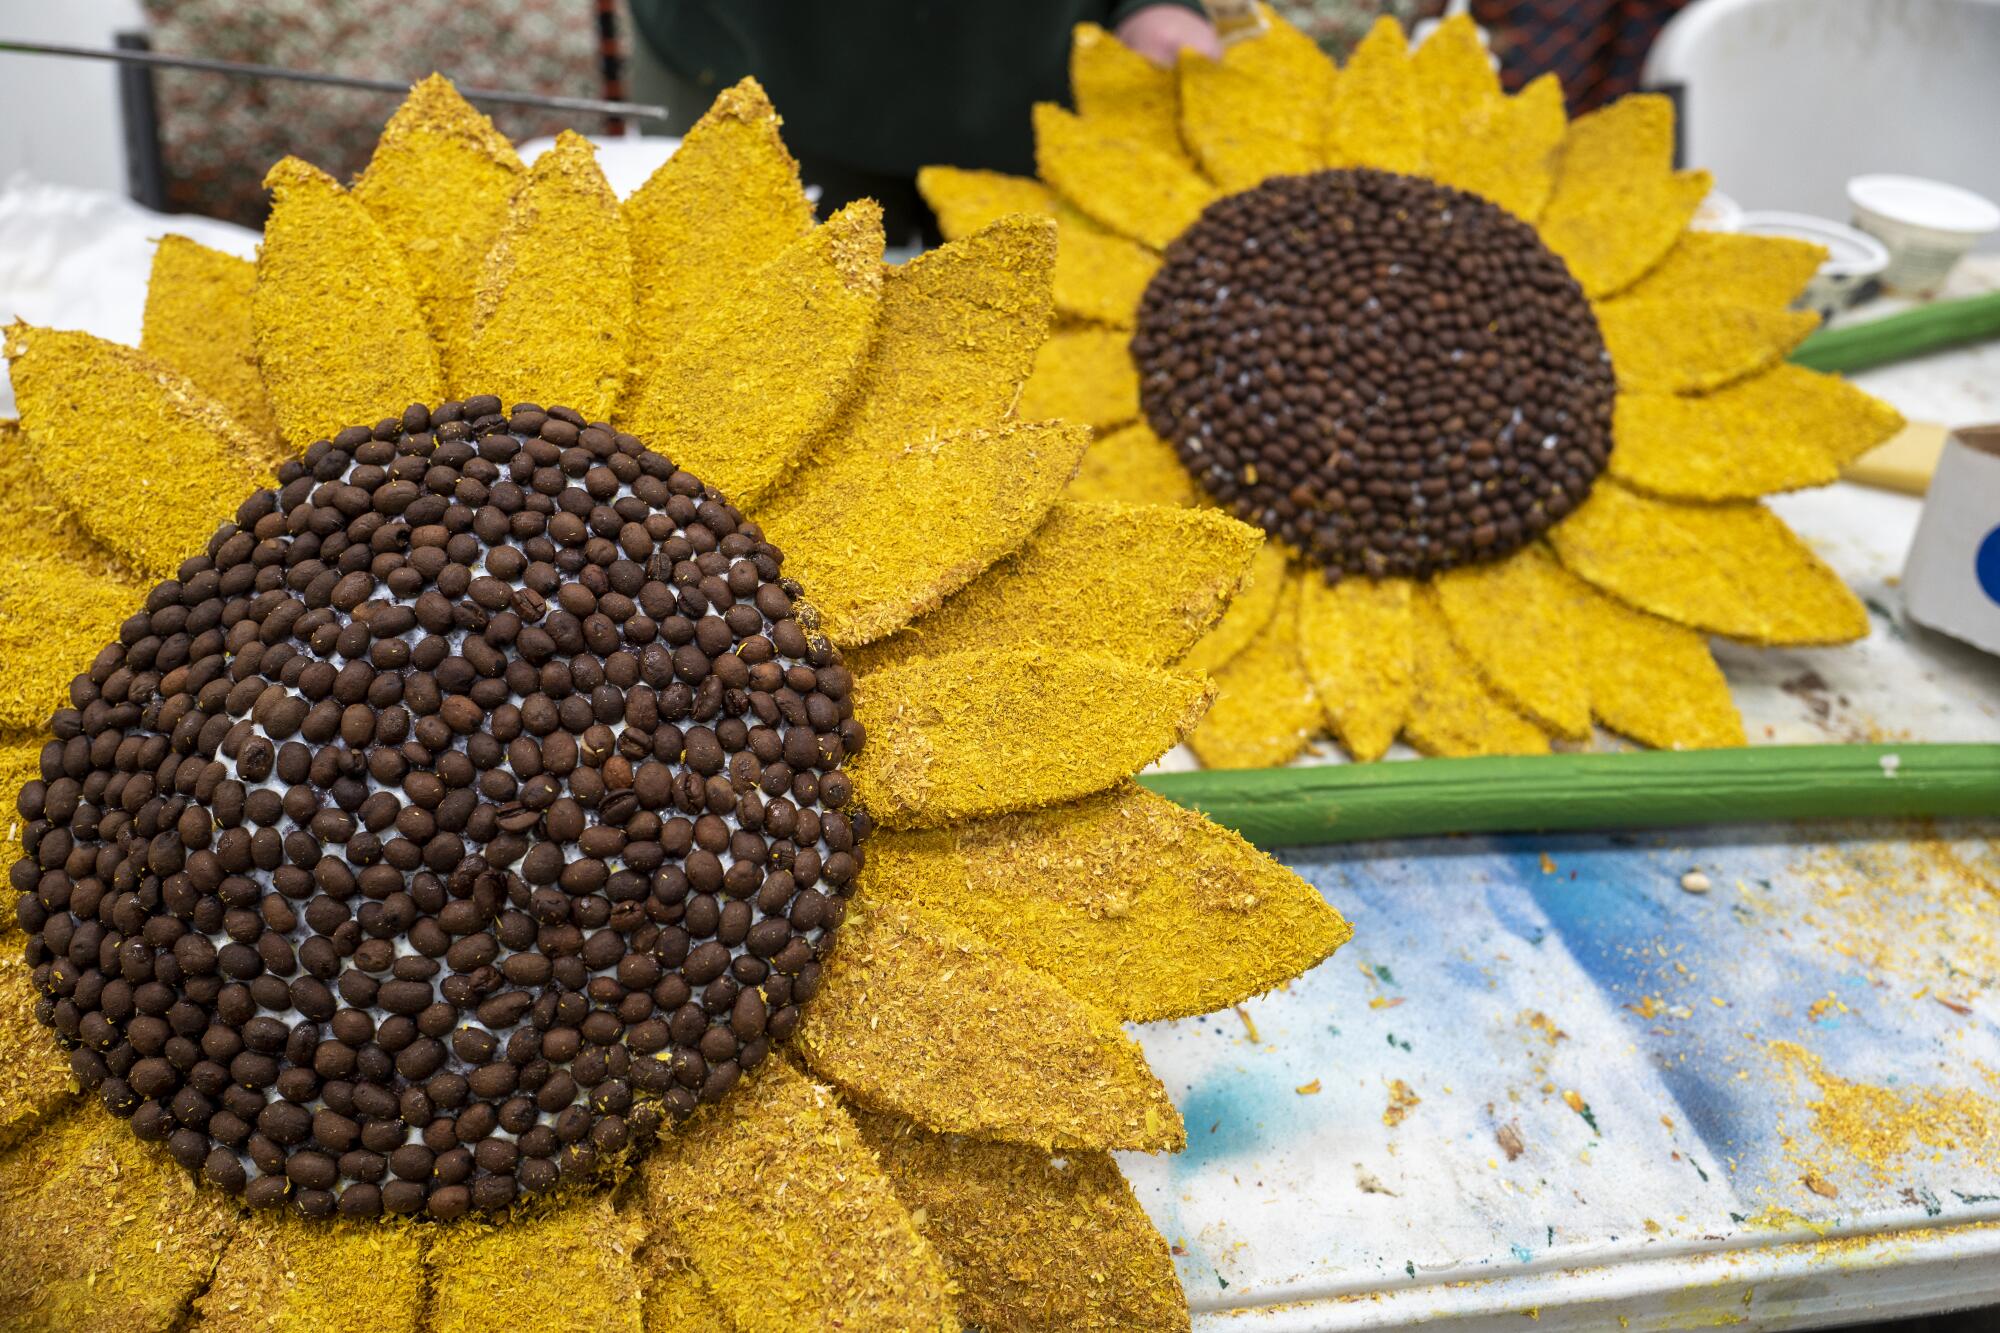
{"x":104,"y":1233}
{"x":1731,"y":268}
{"x":20,"y":764}
{"x":967,"y":201}
{"x":34,"y":523}
{"x":1452,"y":712}
{"x":1284,"y":57}
{"x":1244,"y":130}
{"x":54,"y":618}
{"x":1509,"y":156}
{"x":779,"y":1204}
{"x":738,"y":396}
{"x":1119,"y":92}
{"x":678,"y":1298}
{"x":567,"y":1270}
{"x":1135,"y":189}
{"x":1099,"y":276}
{"x":1249,"y":612}
{"x":1511,"y":618}
{"x":1618,"y":205}
{"x":1034,"y":1242}
{"x":1732,"y":569}
{"x":919,"y":1017}
{"x":1377,"y":111}
{"x":1456,"y":81}
{"x":881,"y":539}
{"x":1057,"y":724}
{"x":1083,"y":375}
{"x":283,"y":1274}
{"x":723,"y":206}
{"x":341,"y":340}
{"x":198,"y":323}
{"x":438,"y":185}
{"x":1696,"y":346}
{"x":1135,"y":905}
{"x":1264,"y":709}
{"x":34,"y":1071}
{"x":1354,"y":642}
{"x":1133,"y":465}
{"x":147,"y":462}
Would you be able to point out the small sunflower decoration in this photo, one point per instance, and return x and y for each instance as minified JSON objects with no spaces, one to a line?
{"x":1504,"y":419}
{"x":459,"y":882}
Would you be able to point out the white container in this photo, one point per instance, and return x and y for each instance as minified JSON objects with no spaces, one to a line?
{"x":1951,"y":581}
{"x":1718,"y":212}
{"x":1927,"y":225}
{"x":1852,"y":257}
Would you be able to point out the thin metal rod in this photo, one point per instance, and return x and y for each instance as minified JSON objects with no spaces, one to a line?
{"x":588,"y":105}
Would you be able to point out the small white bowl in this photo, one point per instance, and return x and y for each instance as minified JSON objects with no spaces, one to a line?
{"x":1718,"y":212}
{"x":1927,"y":225}
{"x":1852,"y":257}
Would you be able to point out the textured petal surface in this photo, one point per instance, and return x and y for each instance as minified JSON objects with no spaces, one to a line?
{"x":54,"y":617}
{"x":1083,"y":375}
{"x":1510,"y":617}
{"x":1731,"y":268}
{"x":552,"y":313}
{"x":779,"y":1204}
{"x":1696,"y":346}
{"x":1456,"y":81}
{"x":1249,"y":612}
{"x":1264,"y":709}
{"x":1618,"y":205}
{"x":1354,"y":642}
{"x":34,"y":523}
{"x":1377,"y":112}
{"x":198,"y":323}
{"x":438,"y":184}
{"x":1034,"y":1242}
{"x":1134,"y":904}
{"x":568,"y":1270}
{"x":678,"y":1298}
{"x":1732,"y":569}
{"x":283,"y":1274}
{"x":148,"y":463}
{"x":1099,"y":276}
{"x":1120,"y":92}
{"x":1243,"y":130}
{"x":1135,"y":189}
{"x":34,"y":1070}
{"x":740,"y":394}
{"x":1133,"y":465}
{"x":340,"y":337}
{"x":984,"y":733}
{"x":957,"y":1057}
{"x":1284,"y":57}
{"x":1452,"y":712}
{"x":1508,"y":154}
{"x":967,"y":201}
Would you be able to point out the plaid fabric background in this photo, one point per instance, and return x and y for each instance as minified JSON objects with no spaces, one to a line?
{"x":1595,"y":47}
{"x":1338,"y":25}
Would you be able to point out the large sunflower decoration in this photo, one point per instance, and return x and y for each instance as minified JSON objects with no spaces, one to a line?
{"x":426,"y":887}
{"x":1503,"y":417}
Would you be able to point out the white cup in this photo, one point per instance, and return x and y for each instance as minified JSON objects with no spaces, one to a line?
{"x":1927,"y":226}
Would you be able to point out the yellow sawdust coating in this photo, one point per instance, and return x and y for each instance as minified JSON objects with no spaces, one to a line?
{"x":1774,"y":432}
{"x":1083,"y":375}
{"x":1612,"y":186}
{"x":1731,"y":268}
{"x":1059,"y":724}
{"x":922,"y":1018}
{"x":1377,"y":111}
{"x":1354,"y":643}
{"x":34,"y":523}
{"x":883,"y":538}
{"x":198,"y":323}
{"x":1509,"y":156}
{"x":1135,"y":582}
{"x":1133,"y":465}
{"x":967,"y":201}
{"x":1135,"y":189}
{"x":1511,"y":618}
{"x":1732,"y":569}
{"x":1879,"y":1126}
{"x":1265,"y":710}
{"x":54,"y":617}
{"x":1243,"y":130}
{"x":438,"y":184}
{"x":724,"y":205}
{"x":1034,"y":1242}
{"x":104,"y":1233}
{"x":567,"y":1270}
{"x":1135,"y":905}
{"x":1099,"y":276}
{"x":1452,"y":712}
{"x":340,"y":337}
{"x":1249,"y":611}
{"x":1456,"y":81}
{"x":20,"y":763}
{"x":1609,"y":245}
{"x":677,"y":1299}
{"x":283,"y":1274}
{"x":747,"y":385}
{"x":1284,"y":57}
{"x":552,"y":310}
{"x":147,"y":462}
{"x":34,"y":1071}
{"x":779,"y":1204}
{"x":1696,"y":346}
{"x":1120,"y":92}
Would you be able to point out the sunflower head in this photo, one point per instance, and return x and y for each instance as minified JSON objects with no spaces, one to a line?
{"x":1503,"y":417}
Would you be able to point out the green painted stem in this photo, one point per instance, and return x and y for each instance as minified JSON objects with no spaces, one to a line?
{"x":1877,"y":342}
{"x":1290,"y":807}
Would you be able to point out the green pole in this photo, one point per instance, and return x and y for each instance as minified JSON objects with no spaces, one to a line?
{"x":1912,"y":333}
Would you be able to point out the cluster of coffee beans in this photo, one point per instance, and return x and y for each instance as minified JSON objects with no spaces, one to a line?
{"x":469,"y":810}
{"x":1392,"y":375}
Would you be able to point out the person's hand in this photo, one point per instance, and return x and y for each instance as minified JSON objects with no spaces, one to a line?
{"x":1161,"y":32}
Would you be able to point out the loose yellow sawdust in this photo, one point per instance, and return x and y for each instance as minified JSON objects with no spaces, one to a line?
{"x":1455,"y":78}
{"x":1133,"y":465}
{"x":1696,"y":346}
{"x":967,"y":200}
{"x":1034,"y":1242}
{"x":20,"y":763}
{"x":881,"y":538}
{"x":1251,"y":610}
{"x":1732,"y":569}
{"x":678,"y":1300}
{"x":147,"y":462}
{"x":567,"y":1270}
{"x":1732,"y":268}
{"x":198,"y":323}
{"x":1099,"y":276}
{"x":1284,"y":57}
{"x":1452,"y":712}
{"x":1133,"y":904}
{"x":34,"y":1070}
{"x":104,"y":1232}
{"x":1378,"y":111}
{"x":1243,"y":130}
{"x":1878,"y":1126}
{"x":1083,"y":375}
{"x":980,"y":732}
{"x":34,"y":523}
{"x":1354,"y":642}
{"x":284,"y":1274}
{"x":1120,"y":93}
{"x":552,"y":310}
{"x":1615,"y":210}
{"x":778,"y":1203}
{"x":1403,"y":1099}
{"x":1135,"y":582}
{"x":438,"y":185}
{"x":341,"y":340}
{"x":54,"y":619}
{"x":1509,"y":156}
{"x":1511,"y":618}
{"x":920,"y":1017}
{"x":740,"y":393}
{"x":1265,"y":710}
{"x":1133,"y":188}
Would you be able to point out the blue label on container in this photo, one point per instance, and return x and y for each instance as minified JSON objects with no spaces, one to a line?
{"x":1986,"y":566}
